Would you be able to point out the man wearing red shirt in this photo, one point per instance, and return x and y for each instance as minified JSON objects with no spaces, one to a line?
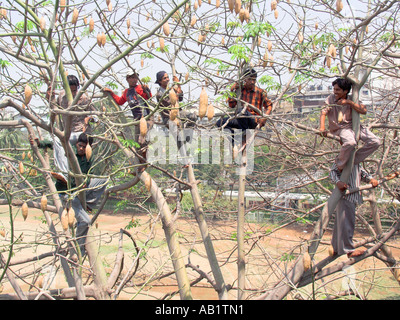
{"x":247,"y":94}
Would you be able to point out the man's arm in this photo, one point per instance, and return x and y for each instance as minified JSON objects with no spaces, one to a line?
{"x":359,"y":107}
{"x":119,"y":100}
{"x":366,"y":177}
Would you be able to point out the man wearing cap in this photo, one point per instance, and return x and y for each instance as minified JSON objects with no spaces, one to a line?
{"x":251,"y":97}
{"x":135,"y":95}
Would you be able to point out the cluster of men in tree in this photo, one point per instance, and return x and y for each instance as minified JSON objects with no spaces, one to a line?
{"x":252,"y":108}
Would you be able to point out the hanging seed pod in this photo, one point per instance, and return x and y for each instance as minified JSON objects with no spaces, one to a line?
{"x":162,"y":44}
{"x":24,"y":209}
{"x":195,"y":5}
{"x":21,"y":168}
{"x":276,"y":13}
{"x":203,"y":104}
{"x":28,"y":94}
{"x":2,"y":233}
{"x":235,"y":152}
{"x":231,"y":4}
{"x":91,"y":25}
{"x":166,"y":28}
{"x":109,"y":7}
{"x":64,"y":219}
{"x":62,"y":5}
{"x":128,"y":22}
{"x":223,"y":41}
{"x":23,"y":155}
{"x":43,"y":203}
{"x":273,"y":5}
{"x":269,"y":45}
{"x":30,"y":41}
{"x":71,"y":217}
{"x":108,"y":2}
{"x":42,"y":23}
{"x":306,"y":261}
{"x":210,"y":112}
{"x":218,"y":3}
{"x":238,"y":5}
{"x":14,"y":39}
{"x":3,"y":13}
{"x":85,"y":20}
{"x":328,"y":61}
{"x":316,"y":26}
{"x":173,"y":98}
{"x":143,"y":126}
{"x":128,"y":31}
{"x":301,"y":37}
{"x":340,"y":116}
{"x":103,"y":39}
{"x":147,"y":182}
{"x":40,"y":281}
{"x":75,"y":15}
{"x":339,"y":5}
{"x":347,"y":49}
{"x":99,"y":39}
{"x":88,"y":151}
{"x":241,"y":15}
{"x":193,"y":21}
{"x":187,"y":76}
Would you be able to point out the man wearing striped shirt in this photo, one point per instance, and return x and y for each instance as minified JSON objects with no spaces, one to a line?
{"x":251,"y":97}
{"x":343,"y":230}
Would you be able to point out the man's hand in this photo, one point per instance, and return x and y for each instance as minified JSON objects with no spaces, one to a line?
{"x":374,"y":182}
{"x":107,"y":90}
{"x":341,"y":186}
{"x":323,"y":132}
{"x":32,"y":140}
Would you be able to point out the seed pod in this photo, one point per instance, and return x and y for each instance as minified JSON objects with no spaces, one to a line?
{"x":273,"y":5}
{"x":218,"y":3}
{"x":99,"y":39}
{"x":306,"y":261}
{"x":64,"y":219}
{"x":210,"y":112}
{"x":88,"y":151}
{"x":238,"y":5}
{"x":23,"y":155}
{"x":91,"y":25}
{"x":195,"y":5}
{"x":128,"y":22}
{"x":43,"y":203}
{"x":103,"y":39}
{"x":162,"y":44}
{"x":340,"y":116}
{"x":147,"y":182}
{"x":28,"y":94}
{"x":24,"y":209}
{"x":173,"y":98}
{"x":2,"y":233}
{"x":203,"y":103}
{"x":347,"y":49}
{"x":316,"y":25}
{"x":109,"y":6}
{"x":231,"y":4}
{"x":276,"y":13}
{"x":187,"y":76}
{"x":42,"y":24}
{"x":21,"y":168}
{"x":143,"y":126}
{"x":269,"y":45}
{"x":14,"y":39}
{"x":62,"y":6}
{"x":166,"y":28}
{"x":3,"y":13}
{"x":193,"y":21}
{"x":108,"y":2}
{"x":71,"y":217}
{"x":301,"y":37}
{"x":339,"y":5}
{"x":75,"y":15}
{"x":241,"y":15}
{"x":128,"y":31}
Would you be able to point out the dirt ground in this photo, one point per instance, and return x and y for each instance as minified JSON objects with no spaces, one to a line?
{"x":268,"y":254}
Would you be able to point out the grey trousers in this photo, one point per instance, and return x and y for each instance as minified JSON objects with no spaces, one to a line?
{"x":60,"y":159}
{"x":343,"y":230}
{"x":348,"y":137}
{"x":94,"y":191}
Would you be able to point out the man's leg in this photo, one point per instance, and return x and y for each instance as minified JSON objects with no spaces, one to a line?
{"x":343,"y":230}
{"x":83,"y":221}
{"x":348,"y":145}
{"x":371,"y":144}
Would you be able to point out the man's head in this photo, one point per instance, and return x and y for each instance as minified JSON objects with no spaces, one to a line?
{"x":132,"y":79}
{"x":341,"y":88}
{"x":73,"y":84}
{"x":249,"y":79}
{"x":162,"y":79}
{"x":82,"y":142}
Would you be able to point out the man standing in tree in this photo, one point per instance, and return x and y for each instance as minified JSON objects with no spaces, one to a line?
{"x":343,"y":231}
{"x":251,"y":97}
{"x":136,"y":96}
{"x":339,"y":111}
